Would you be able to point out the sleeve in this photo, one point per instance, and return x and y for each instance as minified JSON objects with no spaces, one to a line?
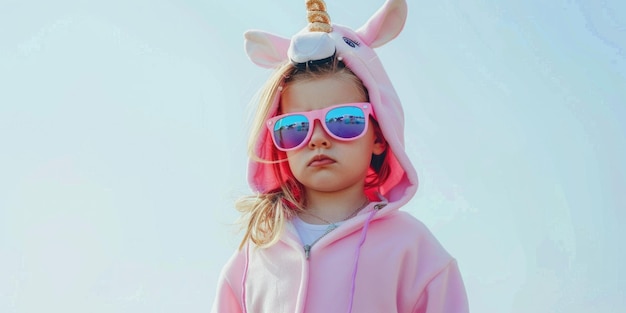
{"x":445,"y":293}
{"x":225,"y":300}
{"x":229,"y":294}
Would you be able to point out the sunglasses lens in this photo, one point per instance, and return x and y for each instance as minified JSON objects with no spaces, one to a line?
{"x":290,"y":131}
{"x":346,"y":122}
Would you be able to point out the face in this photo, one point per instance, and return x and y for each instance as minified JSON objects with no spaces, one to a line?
{"x":325,"y":164}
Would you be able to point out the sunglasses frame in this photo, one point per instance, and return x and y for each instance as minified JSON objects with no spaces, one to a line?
{"x":320,"y":115}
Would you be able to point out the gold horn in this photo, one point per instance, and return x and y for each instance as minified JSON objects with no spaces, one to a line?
{"x":319,"y":20}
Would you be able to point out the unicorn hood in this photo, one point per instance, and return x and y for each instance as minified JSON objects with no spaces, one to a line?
{"x":322,"y":40}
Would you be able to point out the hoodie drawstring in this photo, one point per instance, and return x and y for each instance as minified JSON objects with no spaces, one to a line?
{"x":358,"y":252}
{"x":243,"y":280}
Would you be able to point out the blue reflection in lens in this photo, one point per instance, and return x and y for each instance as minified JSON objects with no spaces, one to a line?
{"x":346,"y":122}
{"x":291,"y":130}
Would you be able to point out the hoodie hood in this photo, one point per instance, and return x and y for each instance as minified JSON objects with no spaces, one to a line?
{"x":356,"y":49}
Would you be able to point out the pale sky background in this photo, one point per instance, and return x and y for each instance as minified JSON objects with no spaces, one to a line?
{"x":123,"y":131}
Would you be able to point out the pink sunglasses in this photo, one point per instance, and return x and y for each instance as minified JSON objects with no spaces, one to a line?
{"x":347,"y":121}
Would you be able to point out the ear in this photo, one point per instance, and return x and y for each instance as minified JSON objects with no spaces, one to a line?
{"x":380,"y":144}
{"x":385,"y":24}
{"x":265,"y":49}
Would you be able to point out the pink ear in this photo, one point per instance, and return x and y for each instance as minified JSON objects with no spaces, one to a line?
{"x":265,"y":49}
{"x":385,"y":24}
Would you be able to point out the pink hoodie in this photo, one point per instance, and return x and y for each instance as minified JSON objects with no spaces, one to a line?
{"x":400,"y":267}
{"x":383,"y":260}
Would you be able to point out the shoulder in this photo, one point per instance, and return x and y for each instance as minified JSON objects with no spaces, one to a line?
{"x":233,"y":270}
{"x":412,"y":235}
{"x":405,"y":224}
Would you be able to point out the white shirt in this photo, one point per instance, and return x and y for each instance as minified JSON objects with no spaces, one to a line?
{"x":309,"y":233}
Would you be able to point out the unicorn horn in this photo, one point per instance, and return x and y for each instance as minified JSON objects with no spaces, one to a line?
{"x":319,"y":20}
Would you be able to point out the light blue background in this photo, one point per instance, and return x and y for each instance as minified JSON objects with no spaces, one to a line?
{"x":123,"y":136}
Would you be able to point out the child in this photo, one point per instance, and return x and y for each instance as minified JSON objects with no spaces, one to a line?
{"x":324,"y":231}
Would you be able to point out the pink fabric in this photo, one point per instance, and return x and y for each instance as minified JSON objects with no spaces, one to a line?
{"x":402,"y":268}
{"x":357,"y":255}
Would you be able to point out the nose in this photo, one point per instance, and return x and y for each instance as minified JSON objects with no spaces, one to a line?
{"x":319,"y":137}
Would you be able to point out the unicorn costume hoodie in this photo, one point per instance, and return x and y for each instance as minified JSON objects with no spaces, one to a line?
{"x":382,"y":260}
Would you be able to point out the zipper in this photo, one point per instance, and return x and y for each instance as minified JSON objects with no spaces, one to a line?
{"x":307,"y":248}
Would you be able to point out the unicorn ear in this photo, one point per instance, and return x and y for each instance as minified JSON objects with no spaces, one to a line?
{"x":385,"y":24}
{"x":265,"y":49}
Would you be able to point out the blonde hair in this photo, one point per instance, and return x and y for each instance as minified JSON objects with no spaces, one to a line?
{"x":264,"y":214}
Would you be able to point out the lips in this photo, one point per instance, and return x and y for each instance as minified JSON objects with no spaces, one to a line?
{"x":321,"y":160}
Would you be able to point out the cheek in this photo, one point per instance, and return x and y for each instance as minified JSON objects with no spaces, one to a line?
{"x":361,"y":151}
{"x":369,"y":139}
{"x":293,"y":158}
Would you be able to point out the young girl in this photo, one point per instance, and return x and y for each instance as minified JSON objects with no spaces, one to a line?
{"x":324,"y":230}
